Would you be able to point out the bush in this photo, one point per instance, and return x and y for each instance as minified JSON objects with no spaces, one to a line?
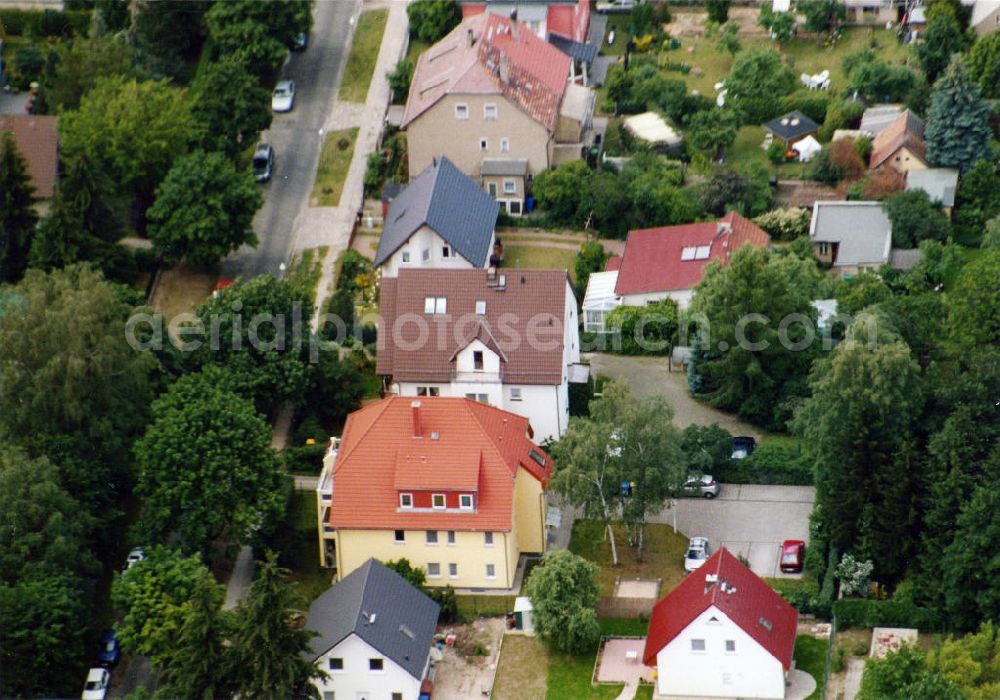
{"x":718,"y":10}
{"x":304,"y":459}
{"x":886,"y":613}
{"x":785,"y":224}
{"x":840,"y":115}
{"x":801,"y":594}
{"x":771,"y":464}
{"x":643,"y":330}
{"x":399,"y":80}
{"x":776,"y":152}
{"x":44,"y":23}
{"x":445,"y":597}
{"x":812,"y":103}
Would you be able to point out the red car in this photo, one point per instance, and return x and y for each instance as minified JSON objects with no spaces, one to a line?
{"x":793,"y":554}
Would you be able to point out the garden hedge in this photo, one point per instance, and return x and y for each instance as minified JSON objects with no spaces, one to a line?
{"x":886,"y":613}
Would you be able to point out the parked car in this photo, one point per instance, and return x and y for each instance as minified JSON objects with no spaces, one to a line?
{"x":300,"y":42}
{"x":110,"y":651}
{"x":705,"y":486}
{"x":793,"y":556}
{"x":96,"y":687}
{"x":263,"y":162}
{"x":697,"y":552}
{"x":743,"y":446}
{"x":615,"y":5}
{"x":135,"y":555}
{"x":283,"y":97}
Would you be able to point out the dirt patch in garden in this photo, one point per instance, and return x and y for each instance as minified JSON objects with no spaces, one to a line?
{"x":688,"y":23}
{"x":524,"y":668}
{"x":468,"y":666}
{"x":181,"y":289}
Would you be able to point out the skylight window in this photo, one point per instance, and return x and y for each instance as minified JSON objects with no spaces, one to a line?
{"x":688,"y":253}
{"x":701,"y":253}
{"x":537,"y":456}
{"x":481,"y":307}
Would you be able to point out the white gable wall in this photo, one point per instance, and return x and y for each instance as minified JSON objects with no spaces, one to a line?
{"x":683,"y":298}
{"x":748,"y":672}
{"x":427,"y":239}
{"x":357,"y":682}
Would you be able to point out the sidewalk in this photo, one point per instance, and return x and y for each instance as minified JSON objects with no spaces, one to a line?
{"x":332,"y":226}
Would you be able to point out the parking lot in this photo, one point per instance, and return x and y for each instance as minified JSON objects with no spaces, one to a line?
{"x":749,"y":520}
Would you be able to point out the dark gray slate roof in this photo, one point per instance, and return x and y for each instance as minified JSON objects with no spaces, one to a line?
{"x":504,"y":166}
{"x":791,"y":126}
{"x":574,"y":49}
{"x":449,"y":203}
{"x":383,"y":609}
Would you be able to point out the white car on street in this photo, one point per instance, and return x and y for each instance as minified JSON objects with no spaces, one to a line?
{"x":283,"y":97}
{"x":697,"y":552}
{"x":96,"y":687}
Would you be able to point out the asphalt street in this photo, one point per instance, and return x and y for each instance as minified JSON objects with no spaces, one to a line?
{"x":296,"y":139}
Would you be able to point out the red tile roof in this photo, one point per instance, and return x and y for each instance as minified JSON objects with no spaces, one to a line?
{"x":477,"y":447}
{"x":523,"y":323}
{"x":570,"y":21}
{"x":614,"y":263}
{"x":37,"y":140}
{"x":652,"y":259}
{"x":502,"y":58}
{"x":751,"y":604}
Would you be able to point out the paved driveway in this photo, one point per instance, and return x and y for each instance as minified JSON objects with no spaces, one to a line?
{"x":749,"y":520}
{"x":648,"y":376}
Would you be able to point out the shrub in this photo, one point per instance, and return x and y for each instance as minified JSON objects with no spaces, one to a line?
{"x":785,"y":224}
{"x":643,"y":330}
{"x":844,"y":158}
{"x":776,"y":152}
{"x":44,"y":23}
{"x":886,"y":613}
{"x":399,"y":80}
{"x":304,"y":459}
{"x":718,"y":10}
{"x":801,"y":594}
{"x":839,"y":659}
{"x":812,"y":103}
{"x":840,"y":115}
{"x":771,"y":464}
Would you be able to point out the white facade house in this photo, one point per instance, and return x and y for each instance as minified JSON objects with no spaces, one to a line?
{"x":722,"y":633}
{"x":375,"y":633}
{"x":441,"y":220}
{"x":507,"y":337}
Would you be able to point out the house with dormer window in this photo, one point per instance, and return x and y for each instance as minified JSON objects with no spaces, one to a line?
{"x":722,"y":633}
{"x":455,"y":486}
{"x":505,"y":337}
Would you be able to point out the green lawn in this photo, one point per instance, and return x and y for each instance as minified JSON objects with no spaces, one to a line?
{"x":334,"y":162}
{"x":664,"y":555}
{"x":363,"y":56}
{"x":470,"y":606}
{"x":747,"y":149}
{"x":523,"y":669}
{"x":298,"y":547}
{"x":810,"y":656}
{"x":537,"y":257}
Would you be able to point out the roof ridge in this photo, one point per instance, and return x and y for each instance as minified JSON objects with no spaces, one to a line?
{"x":493,"y":445}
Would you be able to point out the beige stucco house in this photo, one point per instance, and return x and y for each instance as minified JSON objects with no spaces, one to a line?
{"x":985,"y":16}
{"x":497,"y":101}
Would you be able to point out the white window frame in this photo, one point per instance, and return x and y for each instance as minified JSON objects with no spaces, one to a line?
{"x":478,"y":360}
{"x":491,"y":189}
{"x":406,"y":500}
{"x":331,"y":669}
{"x":433,"y":575}
{"x":509,"y":187}
{"x":405,"y":256}
{"x":434,"y":499}
{"x":398,"y":540}
{"x":461,"y":110}
{"x":481,"y":307}
{"x":488,"y":539}
{"x":446,"y":251}
{"x":381,"y":660}
{"x":463,"y":499}
{"x":515,"y":394}
{"x":441,"y":305}
{"x":513,"y":205}
{"x":490,"y":567}
{"x":452,"y":570}
{"x":490,"y":111}
{"x":484,"y":143}
{"x":451,"y":538}
{"x":504,"y":144}
{"x":698,"y":646}
{"x":730,"y":646}
{"x":431,"y":538}
{"x":426,"y":255}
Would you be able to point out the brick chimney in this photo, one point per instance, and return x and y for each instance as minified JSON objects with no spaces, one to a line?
{"x":417,"y":427}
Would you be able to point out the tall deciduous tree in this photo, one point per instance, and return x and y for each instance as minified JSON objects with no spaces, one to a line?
{"x":230,"y":104}
{"x":262,"y":339}
{"x":977,"y":201}
{"x":915,"y":218}
{"x":958,"y":122}
{"x":971,"y":586}
{"x":822,"y":15}
{"x":17,"y":213}
{"x":563,"y":592}
{"x":756,"y":83}
{"x":203,"y":210}
{"x":80,"y":64}
{"x":154,"y":596}
{"x":747,"y":367}
{"x":942,"y":39}
{"x":169,"y":33}
{"x":975,"y":302}
{"x":133,"y":130}
{"x":430,"y":20}
{"x":984,"y":64}
{"x":713,"y":131}
{"x":865,"y":402}
{"x":206,"y":467}
{"x":268,"y":646}
{"x":258,"y":33}
{"x":70,"y":385}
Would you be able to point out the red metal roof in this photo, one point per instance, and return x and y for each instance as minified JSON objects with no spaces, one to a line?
{"x":477,"y":447}
{"x":652,"y":259}
{"x":751,"y":604}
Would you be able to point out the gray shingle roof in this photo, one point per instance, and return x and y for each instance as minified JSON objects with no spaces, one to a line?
{"x":504,"y":166}
{"x":449,"y":203}
{"x":383,"y":609}
{"x":862,"y":230}
{"x":574,"y":49}
{"x":940,"y":184}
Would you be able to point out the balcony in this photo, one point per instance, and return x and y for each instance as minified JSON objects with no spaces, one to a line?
{"x":477,"y":376}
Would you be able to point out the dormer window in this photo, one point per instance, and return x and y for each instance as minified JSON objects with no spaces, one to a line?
{"x":481,"y":307}
{"x":465,"y":501}
{"x":406,"y":256}
{"x":446,"y":251}
{"x":438,"y":501}
{"x":477,"y":359}
{"x":406,"y":500}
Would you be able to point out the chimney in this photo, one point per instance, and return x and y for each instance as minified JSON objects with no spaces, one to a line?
{"x":469,"y":41}
{"x":724,"y":227}
{"x":515,"y":31}
{"x":417,"y":428}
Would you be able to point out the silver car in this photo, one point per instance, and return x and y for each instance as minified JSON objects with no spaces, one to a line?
{"x":697,"y":552}
{"x":283,"y":98}
{"x":704,"y":486}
